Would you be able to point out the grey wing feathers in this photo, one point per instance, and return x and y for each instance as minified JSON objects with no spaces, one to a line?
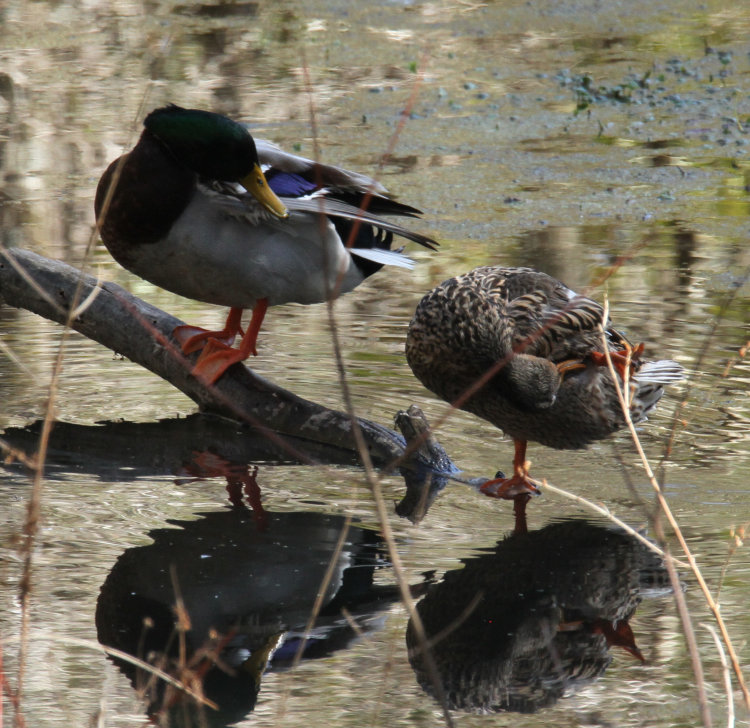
{"x":338,"y":208}
{"x":271,"y":155}
{"x":660,"y":372}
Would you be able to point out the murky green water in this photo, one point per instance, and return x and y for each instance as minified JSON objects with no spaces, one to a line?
{"x":505,"y":172}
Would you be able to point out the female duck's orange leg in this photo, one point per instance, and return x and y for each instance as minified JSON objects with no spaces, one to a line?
{"x":192,"y":338}
{"x":518,"y":484}
{"x":217,"y":356}
{"x":519,"y":488}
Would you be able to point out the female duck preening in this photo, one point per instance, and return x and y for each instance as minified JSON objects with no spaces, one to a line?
{"x":521,"y":350}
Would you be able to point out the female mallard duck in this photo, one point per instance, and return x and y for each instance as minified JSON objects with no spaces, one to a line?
{"x":201,"y":209}
{"x":518,"y":348}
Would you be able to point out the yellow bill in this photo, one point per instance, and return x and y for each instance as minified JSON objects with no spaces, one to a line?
{"x":255,"y":183}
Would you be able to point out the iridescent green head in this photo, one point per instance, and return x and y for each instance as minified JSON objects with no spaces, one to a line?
{"x":213,"y":146}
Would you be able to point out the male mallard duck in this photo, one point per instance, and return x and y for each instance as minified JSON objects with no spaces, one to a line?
{"x":518,"y":348}
{"x":200,"y":208}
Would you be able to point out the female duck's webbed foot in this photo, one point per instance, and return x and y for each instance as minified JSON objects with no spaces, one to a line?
{"x":518,"y":484}
{"x":519,"y":488}
{"x":621,"y":360}
{"x":217,"y":356}
{"x":629,"y":356}
{"x":193,"y":338}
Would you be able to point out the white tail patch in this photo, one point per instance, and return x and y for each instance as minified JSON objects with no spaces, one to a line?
{"x":384,"y":257}
{"x":660,"y":372}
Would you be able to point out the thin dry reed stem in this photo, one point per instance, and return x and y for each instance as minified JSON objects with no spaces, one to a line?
{"x":604,"y":510}
{"x":33,"y":511}
{"x":725,"y":673}
{"x":372,"y":479}
{"x":665,"y":509}
{"x":688,"y":630}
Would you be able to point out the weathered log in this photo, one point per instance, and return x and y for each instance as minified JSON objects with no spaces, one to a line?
{"x":143,"y":333}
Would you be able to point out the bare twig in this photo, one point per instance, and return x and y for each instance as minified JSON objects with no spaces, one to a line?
{"x":371,"y":476}
{"x":132,"y":660}
{"x":142,"y":333}
{"x":603,"y":510}
{"x":697,"y":365}
{"x":665,"y":509}
{"x":31,"y":524}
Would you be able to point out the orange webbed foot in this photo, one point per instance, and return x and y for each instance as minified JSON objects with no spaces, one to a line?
{"x":509,"y":488}
{"x":218,"y":355}
{"x":194,"y":338}
{"x":215,"y":359}
{"x":519,"y":487}
{"x":618,"y":634}
{"x":518,"y":484}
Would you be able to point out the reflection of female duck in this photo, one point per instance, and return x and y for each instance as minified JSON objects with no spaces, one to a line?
{"x":514,"y":633}
{"x":199,"y":208}
{"x":540,"y":345}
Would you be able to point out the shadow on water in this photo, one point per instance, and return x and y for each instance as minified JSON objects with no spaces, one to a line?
{"x":530,"y":622}
{"x":128,"y":450}
{"x":245,"y":594}
{"x":653,"y":172}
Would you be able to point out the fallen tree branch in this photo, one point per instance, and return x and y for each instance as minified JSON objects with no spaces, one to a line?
{"x":143,"y":333}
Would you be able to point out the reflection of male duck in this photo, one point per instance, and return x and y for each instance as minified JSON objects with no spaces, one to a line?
{"x":247,"y":593}
{"x":520,"y":627}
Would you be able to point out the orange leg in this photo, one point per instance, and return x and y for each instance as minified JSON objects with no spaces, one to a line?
{"x":519,"y":488}
{"x":619,"y":634}
{"x":192,"y":338}
{"x":518,"y":484}
{"x":569,"y":365}
{"x":519,"y":513}
{"x":240,"y":481}
{"x":218,"y":356}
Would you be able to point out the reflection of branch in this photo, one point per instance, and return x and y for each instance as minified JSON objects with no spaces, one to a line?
{"x":142,"y":333}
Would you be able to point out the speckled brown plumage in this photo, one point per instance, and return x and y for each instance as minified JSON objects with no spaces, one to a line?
{"x":524,"y":323}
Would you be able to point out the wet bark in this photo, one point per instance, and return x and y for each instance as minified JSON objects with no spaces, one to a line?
{"x":110,"y":315}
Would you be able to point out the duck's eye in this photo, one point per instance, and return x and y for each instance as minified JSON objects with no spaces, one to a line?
{"x":260,"y":181}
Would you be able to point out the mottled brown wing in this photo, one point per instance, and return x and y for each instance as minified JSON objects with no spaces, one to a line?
{"x":549,"y":319}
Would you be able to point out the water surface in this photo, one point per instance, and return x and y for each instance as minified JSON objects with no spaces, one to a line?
{"x":653,"y":167}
